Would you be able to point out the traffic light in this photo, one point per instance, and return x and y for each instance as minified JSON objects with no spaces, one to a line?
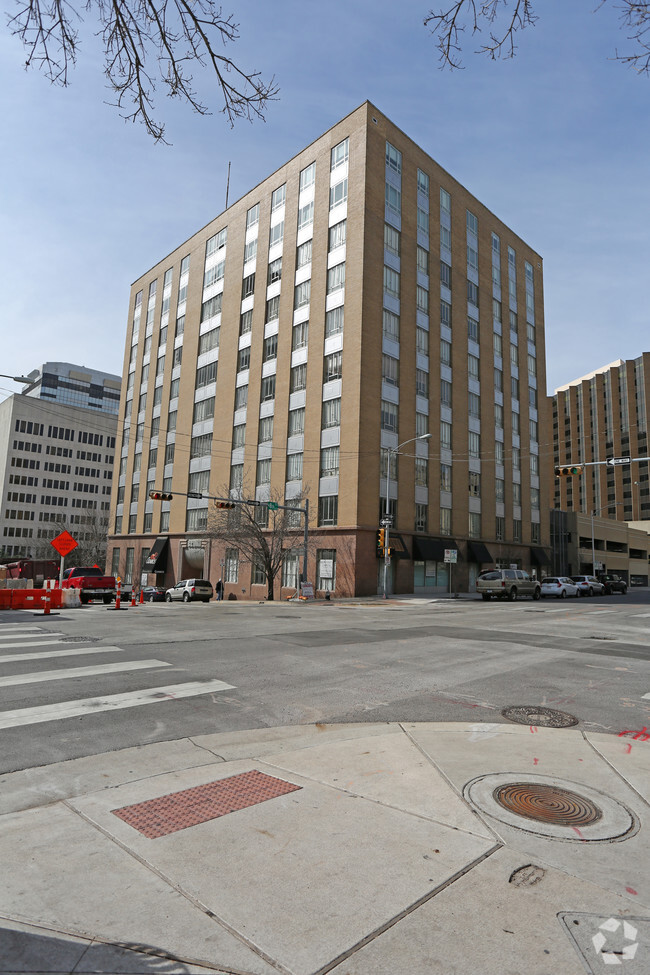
{"x":160,"y":496}
{"x":225,"y":504}
{"x":381,"y":538}
{"x":568,"y":471}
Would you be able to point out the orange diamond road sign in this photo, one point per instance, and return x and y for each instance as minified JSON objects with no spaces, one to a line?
{"x":64,"y":543}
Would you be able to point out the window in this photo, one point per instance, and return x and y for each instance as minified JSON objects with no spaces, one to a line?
{"x":201,"y":446}
{"x":473,"y":366}
{"x":172,"y":417}
{"x":329,"y":462}
{"x":386,"y":458}
{"x":302,"y":294}
{"x":534,"y":497}
{"x":216,"y":243}
{"x":308,"y":176}
{"x":199,"y":482}
{"x":498,"y":416}
{"x":390,"y":325}
{"x":132,"y":520}
{"x":472,"y":223}
{"x":326,"y":569}
{"x":331,"y":414}
{"x":267,"y":391}
{"x":532,"y":430}
{"x":278,"y":197}
{"x":297,"y":421}
{"x":160,"y":366}
{"x":339,"y":154}
{"x":473,"y":329}
{"x":214,"y":274}
{"x":270,"y":348}
{"x":445,"y":521}
{"x":532,"y":365}
{"x":275,"y":271}
{"x":445,"y":201}
{"x":258,"y":570}
{"x":472,"y":293}
{"x":231,"y":567}
{"x":500,"y":489}
{"x":422,"y":341}
{"x":422,"y":299}
{"x":306,"y":215}
{"x":498,"y":380}
{"x":263,"y":473}
{"x":474,"y":524}
{"x":474,"y":444}
{"x":445,"y":392}
{"x":178,"y":356}
{"x":241,"y":397}
{"x":393,"y":158}
{"x":445,"y":352}
{"x":535,"y":533}
{"x":474,"y":404}
{"x":303,"y":254}
{"x":336,"y":278}
{"x":499,"y":453}
{"x":514,"y":325}
{"x":498,"y":344}
{"x":239,"y":435}
{"x":390,"y":370}
{"x":534,"y":464}
{"x":265,"y":430}
{"x":423,"y":260}
{"x":421,"y":472}
{"x":516,"y":530}
{"x":170,"y":450}
{"x":514,"y":387}
{"x":203,"y":410}
{"x":248,"y":285}
{"x":337,"y":235}
{"x":445,"y":274}
{"x":423,"y":221}
{"x":423,"y":183}
{"x":393,"y":199}
{"x":421,"y":517}
{"x":474,"y":484}
{"x":445,"y":434}
{"x":515,"y":423}
{"x":332,"y":366}
{"x":246,"y":322}
{"x":272,"y":308}
{"x":421,"y":382}
{"x":338,"y":193}
{"x":389,"y":416}
{"x":445,"y":237}
{"x":334,"y":321}
{"x":294,"y":467}
{"x":244,"y":359}
{"x":276,"y":234}
{"x":298,"y":378}
{"x":299,"y":336}
{"x":445,"y":313}
{"x":391,"y":281}
{"x":290,"y":570}
{"x":516,"y":458}
{"x":391,"y":239}
{"x":252,"y":216}
{"x":500,"y":529}
{"x":328,"y":510}
{"x":236,"y":478}
{"x":250,"y":251}
{"x":421,"y":424}
{"x":496,"y":310}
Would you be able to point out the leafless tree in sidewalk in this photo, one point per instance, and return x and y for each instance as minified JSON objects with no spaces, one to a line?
{"x":147,"y":43}
{"x":503,"y":19}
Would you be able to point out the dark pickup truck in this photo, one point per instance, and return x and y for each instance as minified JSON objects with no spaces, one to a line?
{"x":612,"y":583}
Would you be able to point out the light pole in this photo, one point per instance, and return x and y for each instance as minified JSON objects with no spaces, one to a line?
{"x":638,"y":500}
{"x":387,"y":518}
{"x":605,"y":507}
{"x":17,"y":379}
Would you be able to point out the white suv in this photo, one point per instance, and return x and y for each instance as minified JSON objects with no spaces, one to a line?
{"x":190,"y":590}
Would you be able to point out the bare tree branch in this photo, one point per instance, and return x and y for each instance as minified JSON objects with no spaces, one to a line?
{"x":147,"y":43}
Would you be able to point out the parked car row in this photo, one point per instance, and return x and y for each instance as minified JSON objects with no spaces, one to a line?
{"x":187,"y":590}
{"x":512,"y":583}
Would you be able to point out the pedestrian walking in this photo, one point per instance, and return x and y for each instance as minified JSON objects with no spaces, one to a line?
{"x":219,"y":589}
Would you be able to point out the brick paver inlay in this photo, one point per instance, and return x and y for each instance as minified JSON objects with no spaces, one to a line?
{"x":178,"y":810}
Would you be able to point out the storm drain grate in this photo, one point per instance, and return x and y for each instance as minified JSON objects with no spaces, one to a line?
{"x":81,"y":639}
{"x":547,"y":804}
{"x":539,"y":716}
{"x":179,"y":810}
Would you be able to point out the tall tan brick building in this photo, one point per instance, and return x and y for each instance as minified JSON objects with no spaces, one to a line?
{"x":357,"y":299}
{"x":600,"y":416}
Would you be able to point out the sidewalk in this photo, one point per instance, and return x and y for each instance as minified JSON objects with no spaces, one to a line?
{"x":378,"y":849}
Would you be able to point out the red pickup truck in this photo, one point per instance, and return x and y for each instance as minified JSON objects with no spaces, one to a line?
{"x":91,"y":583}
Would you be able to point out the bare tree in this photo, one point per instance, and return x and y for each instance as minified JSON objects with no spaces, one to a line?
{"x":146,"y":43}
{"x":263,"y":535}
{"x":503,"y":20}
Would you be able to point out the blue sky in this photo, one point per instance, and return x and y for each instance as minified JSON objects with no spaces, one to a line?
{"x":556,"y":142}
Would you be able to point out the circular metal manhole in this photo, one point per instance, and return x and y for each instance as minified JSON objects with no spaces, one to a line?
{"x":539,"y":716}
{"x":551,"y":807}
{"x":548,"y":804}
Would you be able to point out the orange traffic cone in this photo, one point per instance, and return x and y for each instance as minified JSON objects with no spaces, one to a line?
{"x":133,"y":596}
{"x":141,"y":597}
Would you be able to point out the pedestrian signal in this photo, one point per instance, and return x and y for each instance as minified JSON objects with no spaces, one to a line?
{"x":160,"y":496}
{"x":568,"y":471}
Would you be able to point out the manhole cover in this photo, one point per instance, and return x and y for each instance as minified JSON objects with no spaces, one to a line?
{"x":551,"y":807}
{"x":81,"y":639}
{"x":539,"y":716}
{"x":548,"y":804}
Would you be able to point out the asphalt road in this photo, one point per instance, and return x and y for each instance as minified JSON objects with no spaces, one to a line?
{"x":92,"y":680}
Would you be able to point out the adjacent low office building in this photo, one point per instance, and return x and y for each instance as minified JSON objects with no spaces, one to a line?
{"x":57,"y":448}
{"x":358,"y":329}
{"x":585,"y":545}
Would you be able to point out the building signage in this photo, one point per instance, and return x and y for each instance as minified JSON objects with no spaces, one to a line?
{"x":451,"y":555}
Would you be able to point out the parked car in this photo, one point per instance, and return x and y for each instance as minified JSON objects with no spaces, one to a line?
{"x":559,"y":586}
{"x":588,"y":585}
{"x":154,"y":594}
{"x":507,"y":584}
{"x":191,"y":590}
{"x":613,"y":583}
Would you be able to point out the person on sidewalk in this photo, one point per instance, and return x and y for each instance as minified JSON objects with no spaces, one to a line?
{"x":219,"y":591}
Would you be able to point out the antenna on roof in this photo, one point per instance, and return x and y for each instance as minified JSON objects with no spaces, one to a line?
{"x":227,"y":185}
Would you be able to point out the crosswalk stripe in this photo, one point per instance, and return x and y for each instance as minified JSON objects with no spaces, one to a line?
{"x":52,"y":641}
{"x":640,"y":615}
{"x":601,"y":612}
{"x":55,"y":654}
{"x":112,"y":702}
{"x":70,"y":672}
{"x":18,"y":627}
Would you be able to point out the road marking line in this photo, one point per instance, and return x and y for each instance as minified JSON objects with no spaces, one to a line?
{"x":13,"y":627}
{"x":112,"y":702}
{"x":47,"y":675}
{"x":600,"y":612}
{"x":43,"y":654}
{"x":640,"y":615}
{"x":646,"y":697}
{"x":53,"y":641}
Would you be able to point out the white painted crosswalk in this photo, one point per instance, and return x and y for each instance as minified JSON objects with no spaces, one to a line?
{"x":24,"y":639}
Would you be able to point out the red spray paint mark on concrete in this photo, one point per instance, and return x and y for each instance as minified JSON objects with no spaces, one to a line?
{"x":630,"y":890}
{"x":535,"y":761}
{"x":576,"y":830}
{"x":533,"y":729}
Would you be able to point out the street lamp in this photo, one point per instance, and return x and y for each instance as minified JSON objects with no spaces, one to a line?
{"x":605,"y":507}
{"x":387,"y":517}
{"x":17,"y":379}
{"x":638,"y":500}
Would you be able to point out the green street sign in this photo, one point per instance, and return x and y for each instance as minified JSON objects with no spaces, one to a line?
{"x":272,"y":505}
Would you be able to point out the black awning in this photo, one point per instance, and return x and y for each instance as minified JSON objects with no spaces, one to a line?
{"x":431,"y":549}
{"x":157,"y":560}
{"x":479,"y":553}
{"x":540,"y":556}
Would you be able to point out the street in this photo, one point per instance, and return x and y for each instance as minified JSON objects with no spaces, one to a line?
{"x":94,"y":680}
